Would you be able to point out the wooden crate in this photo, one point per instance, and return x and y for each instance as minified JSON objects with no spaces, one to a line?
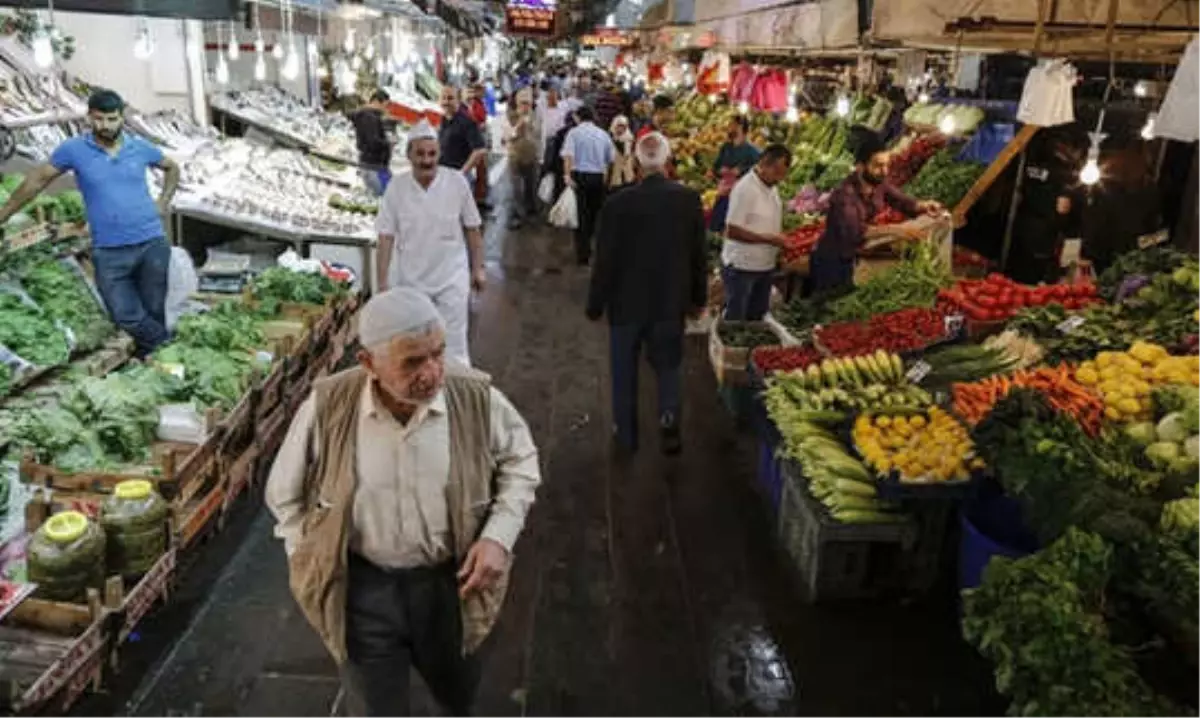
{"x":731,"y":365}
{"x":270,"y":432}
{"x":136,"y":603}
{"x":52,"y":653}
{"x":240,"y":473}
{"x":236,"y":429}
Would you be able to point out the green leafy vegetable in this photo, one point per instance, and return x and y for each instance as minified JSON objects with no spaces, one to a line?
{"x":284,"y":285}
{"x":63,"y":296}
{"x":228,"y":326}
{"x":31,"y":334}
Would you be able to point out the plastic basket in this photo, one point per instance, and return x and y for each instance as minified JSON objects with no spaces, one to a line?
{"x":992,"y":526}
{"x":832,"y":560}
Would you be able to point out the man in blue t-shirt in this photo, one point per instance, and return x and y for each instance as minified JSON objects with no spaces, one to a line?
{"x":129,"y":249}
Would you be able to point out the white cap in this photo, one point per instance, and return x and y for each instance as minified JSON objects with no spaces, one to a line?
{"x":398,"y":312}
{"x":422,"y":131}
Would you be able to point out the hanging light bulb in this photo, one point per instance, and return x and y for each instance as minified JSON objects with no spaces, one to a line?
{"x":234,"y":51}
{"x":369,"y":51}
{"x":380,"y":66}
{"x":743,"y":107}
{"x":291,"y":66}
{"x":259,"y":45}
{"x":43,"y":49}
{"x":713,"y":98}
{"x":355,"y":62}
{"x":322,"y":71}
{"x":793,"y":115}
{"x":923,"y":98}
{"x":222,"y":71}
{"x":946,"y":125}
{"x":277,"y":50}
{"x":143,"y":44}
{"x":1148,"y":128}
{"x":260,"y":69}
{"x":1090,"y":174}
{"x":1141,"y":89}
{"x":348,"y":45}
{"x":842,"y":108}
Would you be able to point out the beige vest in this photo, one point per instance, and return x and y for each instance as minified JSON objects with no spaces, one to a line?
{"x":318,"y":562}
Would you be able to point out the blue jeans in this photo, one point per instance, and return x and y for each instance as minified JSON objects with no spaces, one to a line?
{"x":664,"y":349}
{"x":376,"y":180}
{"x":132,"y":280}
{"x":747,"y":293}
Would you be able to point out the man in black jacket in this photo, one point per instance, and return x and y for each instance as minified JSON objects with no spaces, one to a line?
{"x":650,"y":274}
{"x":374,"y":145}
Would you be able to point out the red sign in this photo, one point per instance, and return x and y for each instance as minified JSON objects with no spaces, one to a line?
{"x":532,"y":22}
{"x":606,"y":37}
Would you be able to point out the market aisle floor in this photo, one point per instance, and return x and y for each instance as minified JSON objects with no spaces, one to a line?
{"x":648,"y":590}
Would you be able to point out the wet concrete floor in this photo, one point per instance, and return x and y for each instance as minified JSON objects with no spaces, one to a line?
{"x":647,"y":589}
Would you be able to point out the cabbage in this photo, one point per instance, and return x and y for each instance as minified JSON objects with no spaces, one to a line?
{"x":1180,"y":517}
{"x":1162,"y":453}
{"x":1172,"y":428}
{"x":1191,"y":447}
{"x":1143,"y":433}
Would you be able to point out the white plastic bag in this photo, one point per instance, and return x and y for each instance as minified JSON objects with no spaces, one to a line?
{"x":565,"y":212}
{"x":546,"y":189}
{"x":1047,"y":99}
{"x":182,"y":283}
{"x":181,"y":423}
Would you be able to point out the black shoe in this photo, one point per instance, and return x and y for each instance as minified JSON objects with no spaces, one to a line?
{"x":672,"y":441}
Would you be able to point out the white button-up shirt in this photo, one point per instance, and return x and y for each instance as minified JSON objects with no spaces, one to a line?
{"x":430,"y":249}
{"x":400,"y":516}
{"x":756,"y":207}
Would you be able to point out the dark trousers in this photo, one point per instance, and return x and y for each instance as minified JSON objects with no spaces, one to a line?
{"x":589,"y":191}
{"x":524,"y":189}
{"x":397,"y":619}
{"x":133,"y":283}
{"x":747,"y":293}
{"x":831,"y":274}
{"x":664,"y":350}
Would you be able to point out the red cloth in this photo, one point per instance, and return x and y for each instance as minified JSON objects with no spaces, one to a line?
{"x":655,"y":72}
{"x":741,"y":83}
{"x":477,"y":110}
{"x":770,"y":92}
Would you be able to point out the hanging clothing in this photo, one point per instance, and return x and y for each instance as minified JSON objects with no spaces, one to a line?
{"x":741,"y":83}
{"x":1177,"y":119}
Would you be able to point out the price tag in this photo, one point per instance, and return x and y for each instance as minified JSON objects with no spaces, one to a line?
{"x":918,"y":371}
{"x":1070,"y":324}
{"x":953,"y":324}
{"x":1152,"y":239}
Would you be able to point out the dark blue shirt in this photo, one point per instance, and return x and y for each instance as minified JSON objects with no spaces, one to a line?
{"x":458,"y":137}
{"x":120,"y":211}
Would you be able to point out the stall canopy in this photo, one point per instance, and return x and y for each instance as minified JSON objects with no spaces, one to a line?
{"x":1067,"y":27}
{"x":818,"y":25}
{"x":195,"y":9}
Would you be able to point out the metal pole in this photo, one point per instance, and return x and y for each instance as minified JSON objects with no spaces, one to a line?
{"x":1012,"y":213}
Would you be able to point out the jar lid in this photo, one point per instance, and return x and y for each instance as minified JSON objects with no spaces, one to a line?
{"x":133,"y":489}
{"x":65,"y":527}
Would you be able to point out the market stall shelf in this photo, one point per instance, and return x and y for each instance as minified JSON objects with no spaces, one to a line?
{"x":52,"y":653}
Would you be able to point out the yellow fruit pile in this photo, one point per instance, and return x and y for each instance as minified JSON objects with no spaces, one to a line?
{"x":922,"y":448}
{"x":1125,"y":379}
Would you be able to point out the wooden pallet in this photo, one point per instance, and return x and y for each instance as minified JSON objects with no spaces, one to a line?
{"x":240,"y":474}
{"x":51,"y":652}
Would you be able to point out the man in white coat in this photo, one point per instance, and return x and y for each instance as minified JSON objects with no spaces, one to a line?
{"x":431,"y":238}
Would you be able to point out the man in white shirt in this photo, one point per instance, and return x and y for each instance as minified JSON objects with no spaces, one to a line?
{"x":430,"y":237}
{"x":753,"y":236}
{"x":400,"y":490}
{"x":551,"y":115}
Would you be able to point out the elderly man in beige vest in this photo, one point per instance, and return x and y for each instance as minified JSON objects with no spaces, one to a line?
{"x":400,"y":491}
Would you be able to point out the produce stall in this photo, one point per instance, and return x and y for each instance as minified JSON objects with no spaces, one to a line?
{"x":116,"y":472}
{"x":1047,"y":436}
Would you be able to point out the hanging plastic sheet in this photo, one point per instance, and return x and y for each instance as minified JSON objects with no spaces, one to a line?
{"x":1177,"y":118}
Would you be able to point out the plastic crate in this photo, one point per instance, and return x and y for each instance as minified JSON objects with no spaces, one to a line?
{"x":833,"y":560}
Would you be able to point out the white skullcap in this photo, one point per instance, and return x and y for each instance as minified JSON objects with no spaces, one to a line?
{"x":398,"y":312}
{"x":422,"y":131}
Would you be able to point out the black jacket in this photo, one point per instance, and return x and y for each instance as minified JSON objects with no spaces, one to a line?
{"x":370,"y":134}
{"x":651,"y":260}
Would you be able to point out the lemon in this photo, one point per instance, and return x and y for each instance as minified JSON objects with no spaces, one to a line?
{"x":1111,"y":412}
{"x":1087,"y":376}
{"x":1129,"y":406}
{"x":917,"y":421}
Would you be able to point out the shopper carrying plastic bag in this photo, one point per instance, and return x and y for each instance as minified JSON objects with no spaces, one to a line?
{"x":565,"y":212}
